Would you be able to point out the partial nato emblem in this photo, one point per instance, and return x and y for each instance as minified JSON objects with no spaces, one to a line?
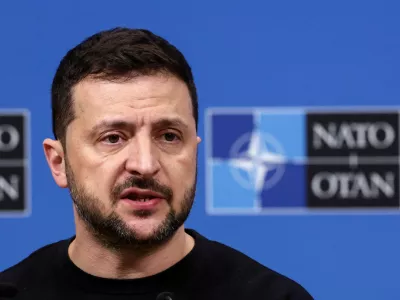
{"x":14,"y":164}
{"x":298,"y":160}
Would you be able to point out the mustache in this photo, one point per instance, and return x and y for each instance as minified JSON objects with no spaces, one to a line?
{"x":143,"y":183}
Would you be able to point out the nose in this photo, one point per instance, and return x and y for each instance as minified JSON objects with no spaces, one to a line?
{"x":142,"y":158}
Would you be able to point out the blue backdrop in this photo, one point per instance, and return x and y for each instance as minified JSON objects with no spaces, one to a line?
{"x":243,"y":53}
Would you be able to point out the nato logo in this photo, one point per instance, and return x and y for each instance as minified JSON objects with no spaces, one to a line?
{"x":299,"y":160}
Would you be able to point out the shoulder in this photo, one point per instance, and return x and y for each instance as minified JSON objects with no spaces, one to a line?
{"x":44,"y":259}
{"x":245,"y":275}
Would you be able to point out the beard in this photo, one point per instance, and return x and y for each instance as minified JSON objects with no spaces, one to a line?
{"x":111,"y":231}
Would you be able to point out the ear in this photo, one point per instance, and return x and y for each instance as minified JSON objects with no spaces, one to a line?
{"x":198,"y":140}
{"x":54,"y":153}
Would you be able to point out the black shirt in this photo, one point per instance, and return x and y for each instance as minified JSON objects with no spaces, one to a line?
{"x":210,"y":271}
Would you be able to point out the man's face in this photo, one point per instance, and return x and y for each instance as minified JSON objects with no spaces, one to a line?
{"x":131,"y":158}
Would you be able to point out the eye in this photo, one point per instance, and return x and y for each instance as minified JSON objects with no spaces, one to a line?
{"x":112,"y":138}
{"x":170,"y":137}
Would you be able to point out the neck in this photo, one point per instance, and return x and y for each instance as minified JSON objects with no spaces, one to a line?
{"x":93,"y":258}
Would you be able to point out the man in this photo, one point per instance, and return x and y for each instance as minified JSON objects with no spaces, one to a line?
{"x":125,"y":118}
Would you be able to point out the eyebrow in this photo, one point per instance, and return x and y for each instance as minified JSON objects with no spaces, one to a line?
{"x":126,"y":125}
{"x":170,"y":122}
{"x":110,"y":124}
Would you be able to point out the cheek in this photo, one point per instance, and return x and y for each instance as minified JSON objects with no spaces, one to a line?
{"x":97,"y":176}
{"x":181,"y":173}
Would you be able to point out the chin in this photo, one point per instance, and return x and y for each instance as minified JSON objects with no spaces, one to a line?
{"x":144,"y":225}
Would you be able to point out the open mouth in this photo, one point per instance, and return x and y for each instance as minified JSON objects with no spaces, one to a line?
{"x":138,"y":195}
{"x":137,"y":198}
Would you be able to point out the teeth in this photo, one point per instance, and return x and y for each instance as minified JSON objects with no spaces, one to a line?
{"x":143,"y":200}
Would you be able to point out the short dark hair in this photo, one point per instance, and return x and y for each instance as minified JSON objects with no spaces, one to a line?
{"x":117,"y":53}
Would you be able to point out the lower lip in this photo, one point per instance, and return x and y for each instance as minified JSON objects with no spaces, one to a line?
{"x":149,"y":204}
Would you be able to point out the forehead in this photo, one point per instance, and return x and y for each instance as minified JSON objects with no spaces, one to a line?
{"x":143,"y":96}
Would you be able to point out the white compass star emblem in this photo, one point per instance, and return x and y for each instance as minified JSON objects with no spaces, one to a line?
{"x":264,"y":154}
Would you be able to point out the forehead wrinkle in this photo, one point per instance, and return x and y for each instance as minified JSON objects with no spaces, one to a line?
{"x":88,"y":96}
